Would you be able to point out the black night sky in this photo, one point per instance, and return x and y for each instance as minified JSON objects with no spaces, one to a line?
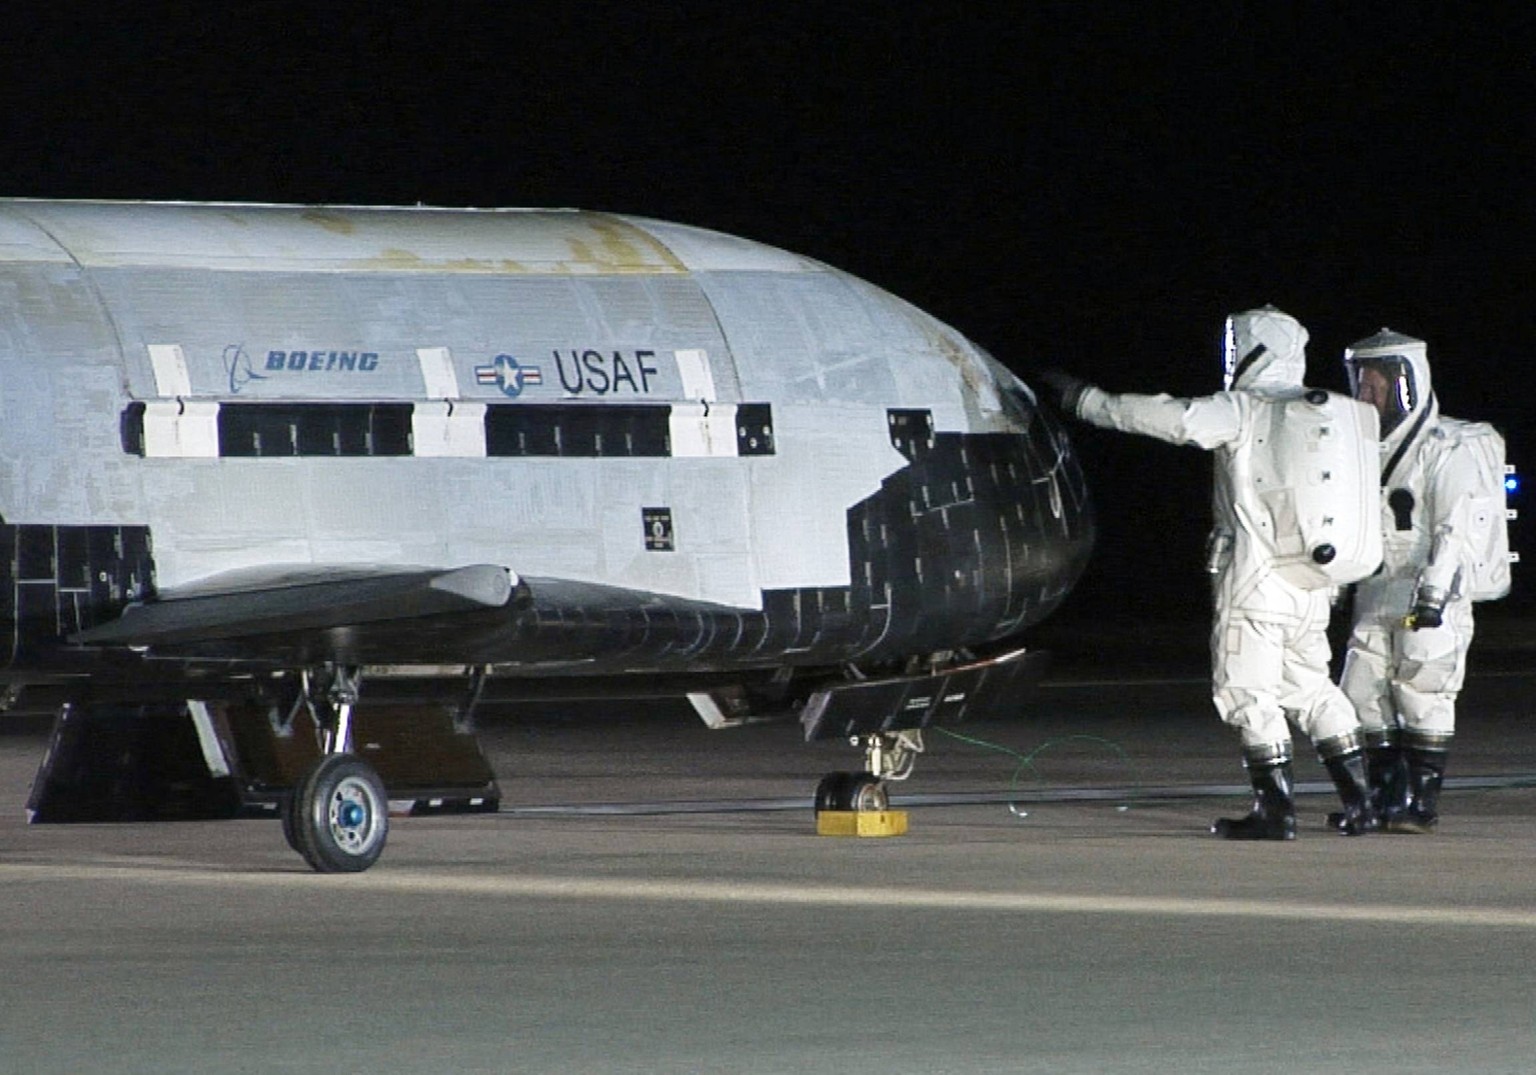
{"x":1086,"y":185}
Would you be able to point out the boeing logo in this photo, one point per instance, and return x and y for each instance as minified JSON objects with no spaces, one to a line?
{"x":238,"y":365}
{"x":322,"y":361}
{"x":508,"y":375}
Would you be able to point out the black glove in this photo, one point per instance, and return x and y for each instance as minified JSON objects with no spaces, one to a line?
{"x":1428,"y":608}
{"x":1064,"y":389}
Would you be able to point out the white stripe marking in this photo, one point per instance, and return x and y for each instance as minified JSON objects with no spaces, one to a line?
{"x":414,"y":882}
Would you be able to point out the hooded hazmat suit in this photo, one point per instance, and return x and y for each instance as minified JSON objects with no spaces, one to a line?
{"x":1407,"y":655}
{"x":1269,"y":646}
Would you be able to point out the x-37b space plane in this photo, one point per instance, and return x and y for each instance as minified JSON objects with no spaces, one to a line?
{"x":289,"y":490}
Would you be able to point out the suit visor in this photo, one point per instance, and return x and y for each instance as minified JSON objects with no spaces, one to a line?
{"x":1386,"y":382}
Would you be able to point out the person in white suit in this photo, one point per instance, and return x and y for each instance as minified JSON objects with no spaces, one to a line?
{"x":1407,"y":654}
{"x":1269,"y":645}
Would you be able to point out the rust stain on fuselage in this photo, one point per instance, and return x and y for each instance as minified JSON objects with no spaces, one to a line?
{"x":333,"y":222}
{"x":569,"y":245}
{"x":622,"y":247}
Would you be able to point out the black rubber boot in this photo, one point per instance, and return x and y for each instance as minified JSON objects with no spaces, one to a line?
{"x":1359,"y":815}
{"x":1386,"y":777}
{"x":1386,"y":772}
{"x":1273,"y":813}
{"x":1426,"y":771}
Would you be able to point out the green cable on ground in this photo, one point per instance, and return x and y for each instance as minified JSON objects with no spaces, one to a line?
{"x":1027,"y":761}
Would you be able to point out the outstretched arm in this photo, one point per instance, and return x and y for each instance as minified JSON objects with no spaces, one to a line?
{"x":1205,"y":422}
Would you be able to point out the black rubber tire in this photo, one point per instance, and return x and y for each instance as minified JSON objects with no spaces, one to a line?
{"x":287,"y":811}
{"x":832,"y":792}
{"x":340,"y":815}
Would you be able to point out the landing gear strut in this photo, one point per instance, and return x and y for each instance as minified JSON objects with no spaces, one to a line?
{"x":887,"y":756}
{"x":337,"y":816}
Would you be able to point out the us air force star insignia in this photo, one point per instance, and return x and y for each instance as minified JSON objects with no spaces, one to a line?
{"x":508,"y":375}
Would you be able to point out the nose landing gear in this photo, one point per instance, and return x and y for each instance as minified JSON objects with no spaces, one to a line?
{"x":887,"y":756}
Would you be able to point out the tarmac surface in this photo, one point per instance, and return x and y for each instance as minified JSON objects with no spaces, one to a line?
{"x":1064,"y":913}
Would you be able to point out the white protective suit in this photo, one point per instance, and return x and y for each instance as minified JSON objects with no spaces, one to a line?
{"x":1398,"y":678}
{"x":1269,"y":646}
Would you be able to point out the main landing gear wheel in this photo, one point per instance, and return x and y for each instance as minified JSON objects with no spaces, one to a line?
{"x":338,"y":816}
{"x":864,"y":792}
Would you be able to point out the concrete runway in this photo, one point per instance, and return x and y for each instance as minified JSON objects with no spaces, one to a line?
{"x":1083,"y":936}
